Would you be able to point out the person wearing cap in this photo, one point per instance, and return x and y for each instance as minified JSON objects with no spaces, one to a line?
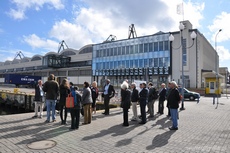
{"x":108,"y":93}
{"x":173,"y":100}
{"x":162,"y":94}
{"x":143,"y":100}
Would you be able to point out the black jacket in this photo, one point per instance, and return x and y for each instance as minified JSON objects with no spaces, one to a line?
{"x":64,"y":91}
{"x":174,"y":98}
{"x":51,"y":88}
{"x":162,"y":94}
{"x":111,"y":91}
{"x":135,"y":95}
{"x":37,"y":96}
{"x":94,"y":92}
{"x":143,"y":96}
{"x":126,"y":99}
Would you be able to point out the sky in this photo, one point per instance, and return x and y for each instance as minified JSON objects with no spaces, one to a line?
{"x":36,"y":27}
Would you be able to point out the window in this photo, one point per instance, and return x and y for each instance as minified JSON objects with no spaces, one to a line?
{"x":150,"y":47}
{"x":141,"y":63}
{"x":119,"y":64}
{"x":123,"y":64}
{"x":104,"y":53}
{"x":151,"y":64}
{"x":111,"y":65}
{"x":141,"y":48}
{"x":136,"y":63}
{"x":166,"y":45}
{"x":101,"y":53}
{"x":155,"y":46}
{"x":114,"y":51}
{"x":127,"y":64}
{"x":146,"y":47}
{"x":184,"y":52}
{"x":161,"y":46}
{"x":166,"y":62}
{"x":115,"y":64}
{"x":131,"y":51}
{"x":160,"y":62}
{"x":136,"y":49}
{"x":97,"y":53}
{"x":119,"y":51}
{"x":155,"y":60}
{"x":127,"y":50}
{"x":111,"y":52}
{"x":123,"y":50}
{"x":146,"y":63}
{"x":131,"y":64}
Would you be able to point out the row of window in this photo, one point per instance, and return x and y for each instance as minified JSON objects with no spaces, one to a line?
{"x":137,"y":63}
{"x":133,"y":49}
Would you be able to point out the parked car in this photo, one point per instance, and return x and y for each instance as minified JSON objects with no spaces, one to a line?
{"x":190,"y":94}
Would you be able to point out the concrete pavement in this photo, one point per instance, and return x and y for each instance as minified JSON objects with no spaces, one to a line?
{"x":202,"y":128}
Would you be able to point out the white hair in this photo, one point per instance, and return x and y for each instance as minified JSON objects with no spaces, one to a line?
{"x":124,"y":85}
{"x":174,"y":82}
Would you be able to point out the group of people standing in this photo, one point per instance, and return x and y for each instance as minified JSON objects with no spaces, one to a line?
{"x":50,"y":91}
{"x":147,"y":97}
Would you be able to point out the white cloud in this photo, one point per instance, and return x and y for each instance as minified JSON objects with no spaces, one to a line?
{"x":224,"y":54}
{"x":35,"y":42}
{"x":221,"y":22}
{"x":23,"y":5}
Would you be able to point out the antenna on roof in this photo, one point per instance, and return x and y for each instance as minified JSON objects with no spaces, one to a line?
{"x":61,"y":46}
{"x":132,"y":31}
{"x":20,"y":54}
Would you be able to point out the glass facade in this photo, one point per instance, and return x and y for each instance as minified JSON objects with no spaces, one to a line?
{"x":112,"y":58}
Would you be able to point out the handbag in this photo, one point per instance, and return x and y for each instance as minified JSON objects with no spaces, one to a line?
{"x":69,"y":101}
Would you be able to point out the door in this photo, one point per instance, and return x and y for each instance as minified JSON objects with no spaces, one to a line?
{"x":212,"y":87}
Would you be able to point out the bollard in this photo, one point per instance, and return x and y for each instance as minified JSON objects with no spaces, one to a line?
{"x":25,"y":103}
{"x":198,"y":100}
{"x":214,"y":100}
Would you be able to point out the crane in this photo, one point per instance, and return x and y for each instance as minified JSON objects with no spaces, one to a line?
{"x":132,"y":31}
{"x":20,"y":54}
{"x":61,"y":46}
{"x":111,"y":38}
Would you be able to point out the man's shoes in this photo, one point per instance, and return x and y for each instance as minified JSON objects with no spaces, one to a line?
{"x":125,"y":124}
{"x":40,"y":117}
{"x":173,"y":128}
{"x":54,"y":121}
{"x":84,"y":123}
{"x":103,"y":113}
{"x":142,"y":122}
{"x":71,"y":129}
{"x":150,"y":116}
{"x":35,"y":116}
{"x":47,"y":121}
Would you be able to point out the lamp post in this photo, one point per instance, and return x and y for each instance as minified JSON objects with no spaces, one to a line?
{"x":183,"y":47}
{"x":217,"y":78}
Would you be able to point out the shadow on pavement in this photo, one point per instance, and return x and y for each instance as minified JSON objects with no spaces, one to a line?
{"x":114,"y":130}
{"x":160,"y":140}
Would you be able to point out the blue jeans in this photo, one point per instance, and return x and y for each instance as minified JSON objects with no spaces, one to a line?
{"x":50,"y":105}
{"x":174,"y":117}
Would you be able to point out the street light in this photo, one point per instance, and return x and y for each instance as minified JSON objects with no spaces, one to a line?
{"x":171,"y":38}
{"x":217,"y":78}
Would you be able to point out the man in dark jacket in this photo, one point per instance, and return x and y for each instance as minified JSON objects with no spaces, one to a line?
{"x":173,"y":100}
{"x":152,"y":96}
{"x":39,"y":99}
{"x":162,"y":94}
{"x":51,"y":88}
{"x":143,"y":101}
{"x":108,"y":93}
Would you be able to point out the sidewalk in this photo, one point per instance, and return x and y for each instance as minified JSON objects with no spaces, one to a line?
{"x":202,"y":128}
